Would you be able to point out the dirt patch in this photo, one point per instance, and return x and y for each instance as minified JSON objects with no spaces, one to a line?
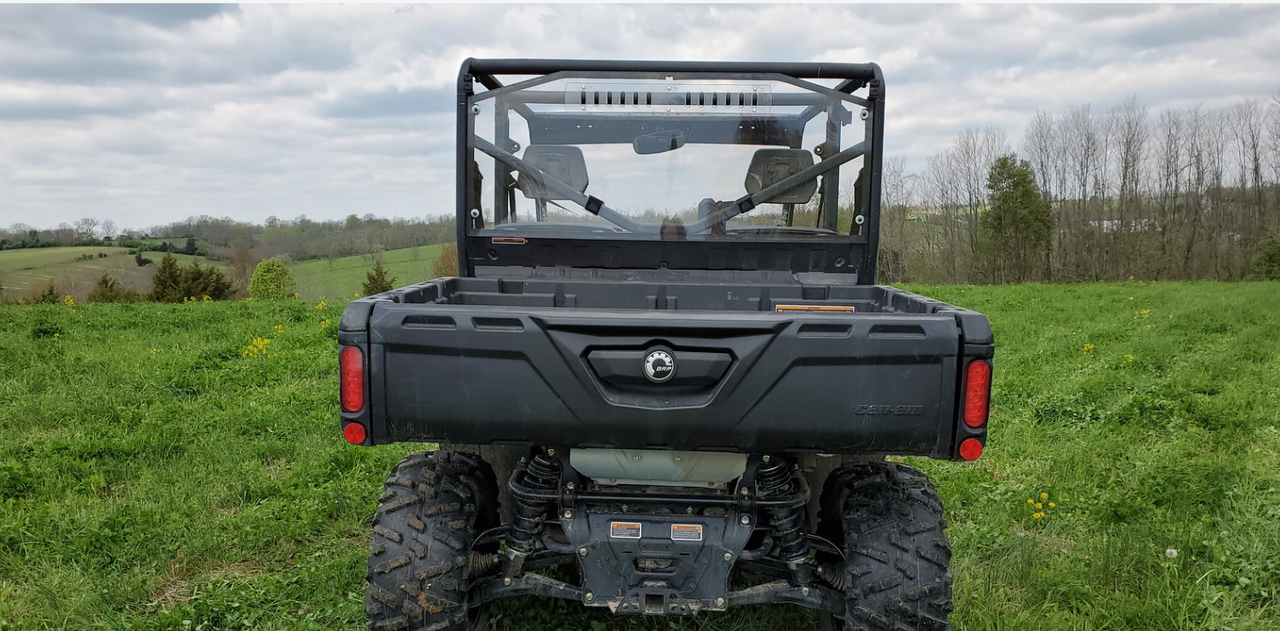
{"x":176,"y":589}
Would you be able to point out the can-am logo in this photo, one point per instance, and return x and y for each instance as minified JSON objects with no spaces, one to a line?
{"x":888,"y":410}
{"x":659,"y":365}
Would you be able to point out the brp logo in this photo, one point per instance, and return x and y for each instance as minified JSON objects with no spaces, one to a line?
{"x":659,"y":365}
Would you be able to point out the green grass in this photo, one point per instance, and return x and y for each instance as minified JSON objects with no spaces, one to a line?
{"x":28,"y":271}
{"x":342,"y":278}
{"x":152,"y":477}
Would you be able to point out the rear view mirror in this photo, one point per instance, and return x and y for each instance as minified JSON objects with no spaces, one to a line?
{"x":658,"y":142}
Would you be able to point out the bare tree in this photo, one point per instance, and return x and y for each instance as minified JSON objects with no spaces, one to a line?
{"x":1040,"y":147}
{"x":243,"y":263}
{"x":1167,"y":192}
{"x":1044,"y":147}
{"x":896,"y":201}
{"x":1273,"y":135}
{"x":1082,"y":137}
{"x":86,"y":229}
{"x":1247,"y":123}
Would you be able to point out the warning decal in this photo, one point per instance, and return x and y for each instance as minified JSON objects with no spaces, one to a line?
{"x":624,"y":530}
{"x":686,"y":532}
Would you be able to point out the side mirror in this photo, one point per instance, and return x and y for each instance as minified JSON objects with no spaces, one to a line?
{"x":658,"y":142}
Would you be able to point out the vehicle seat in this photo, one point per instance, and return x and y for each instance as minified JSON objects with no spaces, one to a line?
{"x":563,"y":162}
{"x":770,"y":166}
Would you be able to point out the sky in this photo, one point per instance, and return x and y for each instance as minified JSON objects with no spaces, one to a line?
{"x":147,"y":114}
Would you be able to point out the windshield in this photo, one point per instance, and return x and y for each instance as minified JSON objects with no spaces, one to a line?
{"x":671,"y":157}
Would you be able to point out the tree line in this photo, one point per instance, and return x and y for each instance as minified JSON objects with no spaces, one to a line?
{"x":220,"y":238}
{"x":1182,"y":193}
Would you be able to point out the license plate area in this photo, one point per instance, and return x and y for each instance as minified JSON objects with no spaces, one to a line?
{"x":656,"y":564}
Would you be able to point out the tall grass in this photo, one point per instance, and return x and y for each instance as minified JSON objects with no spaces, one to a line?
{"x":157,"y":473}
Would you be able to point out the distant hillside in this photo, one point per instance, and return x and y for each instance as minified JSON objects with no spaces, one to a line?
{"x":75,"y":270}
{"x":343,"y":277}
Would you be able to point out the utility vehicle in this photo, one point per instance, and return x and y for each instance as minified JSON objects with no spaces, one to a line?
{"x":664,"y":381}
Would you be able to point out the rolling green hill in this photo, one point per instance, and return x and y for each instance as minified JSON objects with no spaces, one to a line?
{"x":28,"y":271}
{"x":157,"y":472}
{"x":342,"y":278}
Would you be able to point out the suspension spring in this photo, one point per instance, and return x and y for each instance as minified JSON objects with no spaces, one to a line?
{"x":774,"y":480}
{"x":480,"y":563}
{"x":541,"y":474}
{"x":832,"y":575}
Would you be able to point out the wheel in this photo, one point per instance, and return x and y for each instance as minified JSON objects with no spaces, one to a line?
{"x":432,"y":509}
{"x":888,"y":519}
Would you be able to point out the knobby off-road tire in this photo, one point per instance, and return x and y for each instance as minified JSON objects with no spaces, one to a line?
{"x":432,"y":509}
{"x":897,"y":558}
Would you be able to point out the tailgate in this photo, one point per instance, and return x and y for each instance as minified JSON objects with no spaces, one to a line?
{"x":828,"y":383}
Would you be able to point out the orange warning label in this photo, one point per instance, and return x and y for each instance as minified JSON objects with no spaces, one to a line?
{"x":624,"y":530}
{"x":686,"y":532}
{"x":841,"y":308}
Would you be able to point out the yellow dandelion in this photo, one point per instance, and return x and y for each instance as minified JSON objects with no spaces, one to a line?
{"x":1088,"y":348}
{"x":1039,"y":505}
{"x":1044,"y":496}
{"x":1146,"y":313}
{"x":1031,"y":501}
{"x":1052,"y":505}
{"x":1037,"y":515}
{"x":320,"y":305}
{"x":1128,"y":358}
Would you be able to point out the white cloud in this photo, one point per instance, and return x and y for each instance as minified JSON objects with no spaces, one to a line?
{"x":146,"y":114}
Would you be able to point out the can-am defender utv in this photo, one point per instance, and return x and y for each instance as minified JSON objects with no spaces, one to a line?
{"x":664,"y":364}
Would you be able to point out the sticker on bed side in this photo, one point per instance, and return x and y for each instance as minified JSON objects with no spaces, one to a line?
{"x":840,"y":308}
{"x":624,"y":530}
{"x":686,"y":532}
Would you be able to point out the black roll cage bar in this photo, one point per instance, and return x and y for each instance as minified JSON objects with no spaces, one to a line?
{"x":849,"y":254}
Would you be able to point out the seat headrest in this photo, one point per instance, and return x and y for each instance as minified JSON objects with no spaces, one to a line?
{"x":563,"y":162}
{"x":770,"y":166}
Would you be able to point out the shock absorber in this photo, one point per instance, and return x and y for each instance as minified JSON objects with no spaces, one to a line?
{"x":774,"y":480}
{"x":542,"y":473}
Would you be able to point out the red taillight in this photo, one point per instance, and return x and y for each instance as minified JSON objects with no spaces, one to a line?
{"x":970,"y":449}
{"x":354,"y":433}
{"x":351,"y":376}
{"x":977,"y":393}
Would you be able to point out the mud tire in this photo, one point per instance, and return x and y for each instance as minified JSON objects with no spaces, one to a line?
{"x":888,"y":518}
{"x":432,"y":509}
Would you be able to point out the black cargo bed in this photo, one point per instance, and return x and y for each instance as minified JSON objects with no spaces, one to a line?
{"x":610,"y":292}
{"x":557,"y":362}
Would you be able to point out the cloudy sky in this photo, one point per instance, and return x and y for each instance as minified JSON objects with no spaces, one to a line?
{"x":150,"y":113}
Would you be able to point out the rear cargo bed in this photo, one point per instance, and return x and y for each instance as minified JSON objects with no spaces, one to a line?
{"x":559,"y":362}
{"x":611,"y":292}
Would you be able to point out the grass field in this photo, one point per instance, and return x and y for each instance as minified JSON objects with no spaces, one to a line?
{"x":342,"y":278}
{"x":24,"y":272}
{"x":152,"y":476}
